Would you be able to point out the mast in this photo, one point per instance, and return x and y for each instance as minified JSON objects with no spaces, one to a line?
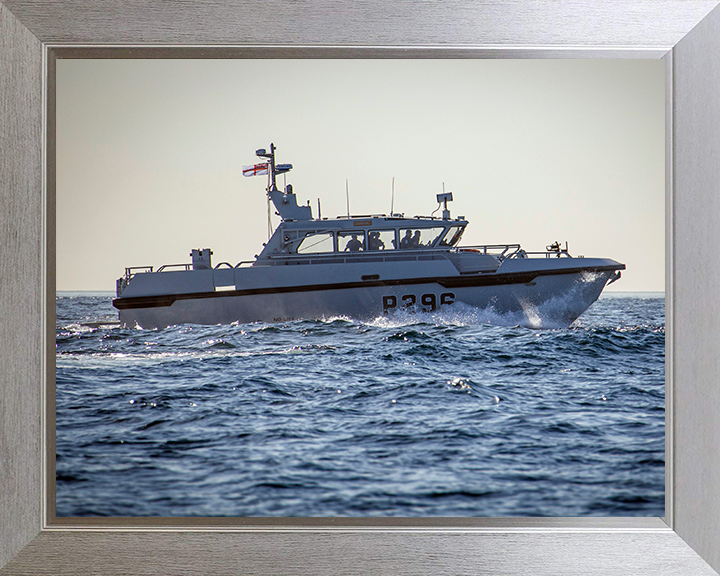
{"x":286,"y":201}
{"x":263,"y":154}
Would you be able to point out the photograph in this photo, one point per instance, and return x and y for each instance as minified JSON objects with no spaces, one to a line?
{"x":360,"y":288}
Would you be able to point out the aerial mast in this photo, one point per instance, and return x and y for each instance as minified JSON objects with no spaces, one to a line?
{"x":285,"y":201}
{"x":263,"y":154}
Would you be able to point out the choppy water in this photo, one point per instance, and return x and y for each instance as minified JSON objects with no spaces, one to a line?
{"x":424,"y":415}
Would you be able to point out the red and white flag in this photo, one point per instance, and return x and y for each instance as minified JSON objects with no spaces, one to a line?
{"x":255,"y":170}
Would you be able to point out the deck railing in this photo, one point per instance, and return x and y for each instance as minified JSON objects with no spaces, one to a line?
{"x":499,"y":251}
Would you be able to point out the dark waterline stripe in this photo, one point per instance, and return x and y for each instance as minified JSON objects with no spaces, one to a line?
{"x":446,"y":282}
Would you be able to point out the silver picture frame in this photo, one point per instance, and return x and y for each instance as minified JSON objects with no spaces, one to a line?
{"x":685,"y":33}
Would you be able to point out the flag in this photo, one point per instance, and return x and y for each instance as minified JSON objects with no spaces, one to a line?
{"x":255,"y":170}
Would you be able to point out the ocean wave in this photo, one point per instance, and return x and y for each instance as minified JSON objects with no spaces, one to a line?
{"x":458,"y":412}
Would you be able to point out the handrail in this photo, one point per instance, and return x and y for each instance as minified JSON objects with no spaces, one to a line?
{"x":552,"y":253}
{"x":490,"y":246}
{"x":348,"y":254}
{"x":484,"y":248}
{"x":164,"y":266}
{"x":505,"y":251}
{"x":131,"y":270}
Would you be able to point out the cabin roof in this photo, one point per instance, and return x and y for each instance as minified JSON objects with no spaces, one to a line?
{"x":360,"y":222}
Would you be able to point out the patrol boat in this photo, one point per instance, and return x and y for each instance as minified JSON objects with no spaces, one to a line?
{"x":362,"y":267}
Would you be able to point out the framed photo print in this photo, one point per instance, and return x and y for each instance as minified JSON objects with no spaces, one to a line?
{"x":418,"y":341}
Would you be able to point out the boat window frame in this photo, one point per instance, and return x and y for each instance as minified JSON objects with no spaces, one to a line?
{"x":396,"y":245}
{"x":447,"y":232}
{"x":351,"y":232}
{"x":309,"y":234}
{"x":440,"y":235}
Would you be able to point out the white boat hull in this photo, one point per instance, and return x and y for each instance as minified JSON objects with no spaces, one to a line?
{"x":553,"y":298}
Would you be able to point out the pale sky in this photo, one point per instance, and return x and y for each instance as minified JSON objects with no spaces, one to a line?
{"x":150,"y":154}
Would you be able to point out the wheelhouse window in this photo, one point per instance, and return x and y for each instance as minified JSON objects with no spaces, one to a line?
{"x":353,"y":241}
{"x":315,"y":243}
{"x":414,"y":238}
{"x":382,"y":240}
{"x":453,"y":236}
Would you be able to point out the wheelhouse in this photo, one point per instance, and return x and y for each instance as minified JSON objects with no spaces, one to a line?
{"x":364,"y":235}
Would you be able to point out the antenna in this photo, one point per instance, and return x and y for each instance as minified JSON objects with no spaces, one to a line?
{"x":347,"y":197}
{"x":443,"y":199}
{"x":271,"y":173}
{"x":392,"y":197}
{"x":319,"y":212}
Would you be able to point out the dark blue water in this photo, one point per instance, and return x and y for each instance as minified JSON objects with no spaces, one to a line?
{"x":442,"y":415}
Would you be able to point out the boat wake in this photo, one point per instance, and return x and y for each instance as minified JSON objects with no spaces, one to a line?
{"x":557,"y":312}
{"x":544,"y":316}
{"x":561,"y":310}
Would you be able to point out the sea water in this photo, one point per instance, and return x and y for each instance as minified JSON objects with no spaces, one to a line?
{"x":457,"y":413}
